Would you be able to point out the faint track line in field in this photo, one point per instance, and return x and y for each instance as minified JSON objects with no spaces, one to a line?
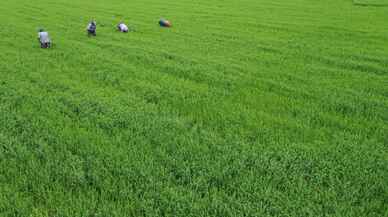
{"x":371,"y":3}
{"x":352,"y":66}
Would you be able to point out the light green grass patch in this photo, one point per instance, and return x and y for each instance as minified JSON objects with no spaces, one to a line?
{"x":267,"y":108}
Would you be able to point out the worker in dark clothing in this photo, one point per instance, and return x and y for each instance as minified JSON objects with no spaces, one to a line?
{"x":91,"y":28}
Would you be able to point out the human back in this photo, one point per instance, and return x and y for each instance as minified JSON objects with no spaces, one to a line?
{"x":122,"y":27}
{"x":44,"y":37}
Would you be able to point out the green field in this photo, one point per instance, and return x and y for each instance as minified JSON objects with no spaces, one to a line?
{"x":243,"y":108}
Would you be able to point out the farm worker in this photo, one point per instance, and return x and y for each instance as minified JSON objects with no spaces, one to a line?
{"x":164,"y":23}
{"x":122,"y":27}
{"x":44,"y":39}
{"x":91,"y":28}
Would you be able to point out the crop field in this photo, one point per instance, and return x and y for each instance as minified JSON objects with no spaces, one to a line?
{"x":242,"y":108}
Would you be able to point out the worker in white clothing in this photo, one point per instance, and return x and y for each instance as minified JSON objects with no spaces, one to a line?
{"x":44,"y":39}
{"x":122,"y":27}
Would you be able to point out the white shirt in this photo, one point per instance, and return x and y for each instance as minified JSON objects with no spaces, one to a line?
{"x":44,"y":37}
{"x":123,"y":27}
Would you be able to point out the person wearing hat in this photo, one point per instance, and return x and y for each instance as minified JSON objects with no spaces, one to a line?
{"x":44,"y":39}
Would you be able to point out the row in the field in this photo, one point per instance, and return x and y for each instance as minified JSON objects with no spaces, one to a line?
{"x":91,"y":29}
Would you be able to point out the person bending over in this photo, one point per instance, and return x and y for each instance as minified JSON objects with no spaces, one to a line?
{"x":44,"y":39}
{"x":91,"y":28}
{"x":122,"y":27}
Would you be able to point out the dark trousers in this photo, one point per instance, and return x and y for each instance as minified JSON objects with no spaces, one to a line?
{"x":45,"y":45}
{"x":118,"y":28}
{"x":92,"y":32}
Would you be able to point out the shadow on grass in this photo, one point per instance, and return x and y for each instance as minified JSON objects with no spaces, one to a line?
{"x":371,"y":3}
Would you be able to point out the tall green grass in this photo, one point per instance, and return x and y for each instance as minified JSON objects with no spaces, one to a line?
{"x":243,"y":108}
